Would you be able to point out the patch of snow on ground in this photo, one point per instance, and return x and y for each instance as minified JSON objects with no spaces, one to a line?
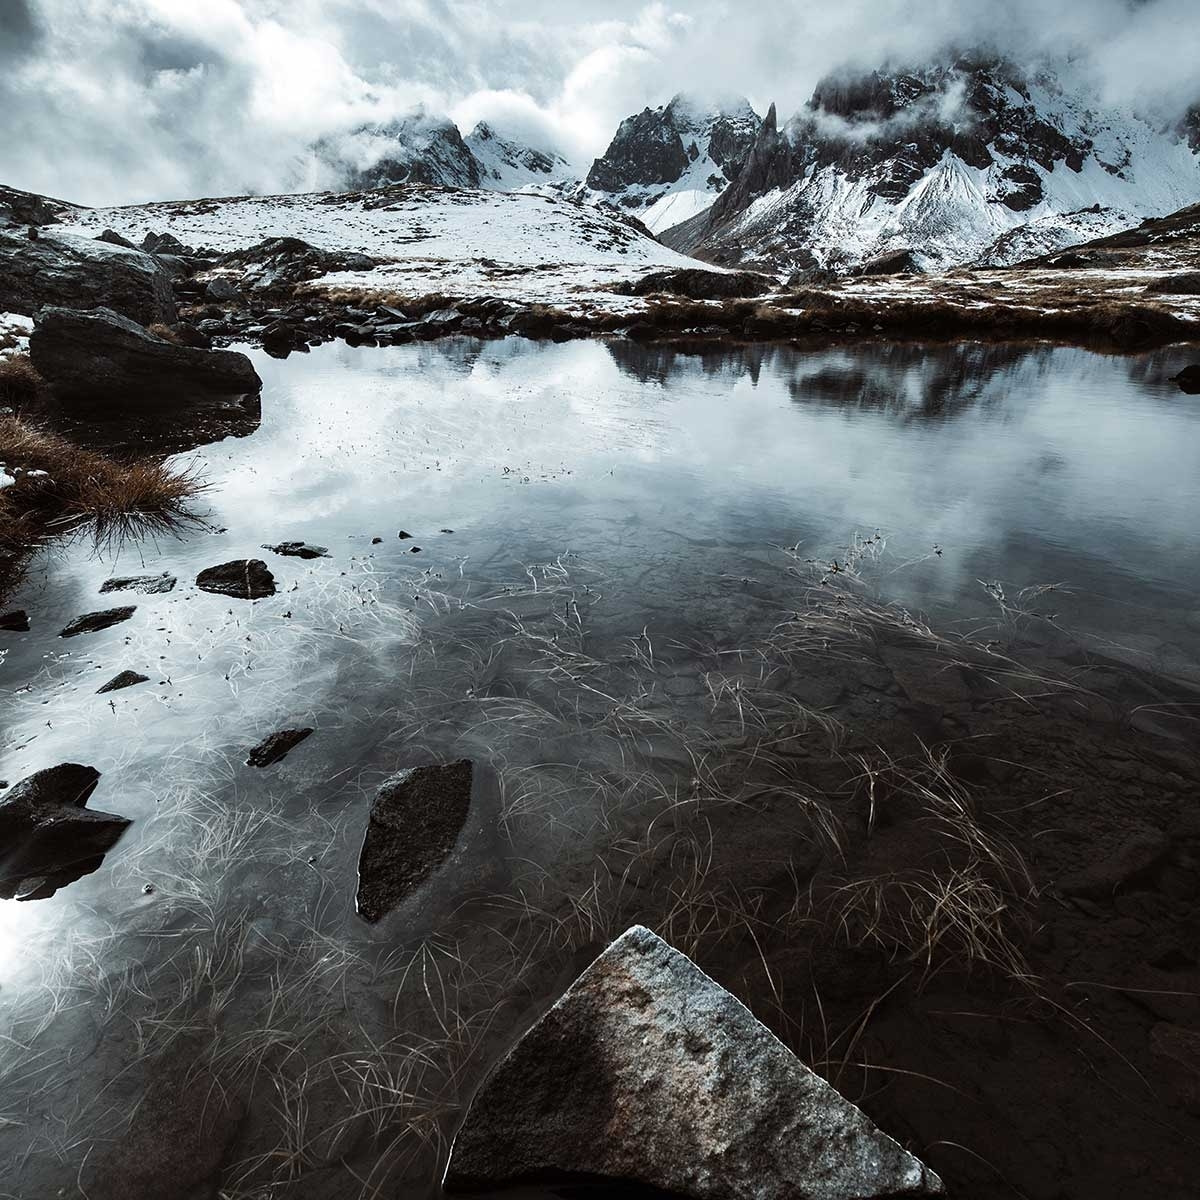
{"x":461,"y":241}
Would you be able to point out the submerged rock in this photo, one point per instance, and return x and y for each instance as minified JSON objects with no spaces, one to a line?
{"x":415,"y":820}
{"x":275,"y":747}
{"x":298,"y":550}
{"x":649,"y":1074}
{"x":95,"y":621}
{"x":243,"y":578}
{"x":84,"y":273}
{"x":147,"y":584}
{"x":101,"y":354}
{"x":123,"y":680}
{"x":48,"y":837}
{"x":1189,"y":379}
{"x":16,"y":621}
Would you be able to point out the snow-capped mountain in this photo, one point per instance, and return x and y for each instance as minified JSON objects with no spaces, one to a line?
{"x":417,"y":147}
{"x":507,"y":164}
{"x":970,"y":159}
{"x":669,"y":163}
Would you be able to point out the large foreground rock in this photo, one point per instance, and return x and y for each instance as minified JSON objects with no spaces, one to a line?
{"x":648,"y":1073}
{"x":415,"y":820}
{"x":98,"y":354}
{"x":82,"y":273}
{"x":48,"y":836}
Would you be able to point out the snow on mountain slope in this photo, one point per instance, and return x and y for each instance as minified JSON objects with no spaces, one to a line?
{"x":948,"y":162}
{"x":417,"y":147}
{"x":464,"y":242}
{"x":508,"y":164}
{"x":667,"y":164}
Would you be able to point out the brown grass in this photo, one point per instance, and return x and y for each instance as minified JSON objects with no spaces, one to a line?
{"x":20,"y":384}
{"x":84,"y":492}
{"x":159,"y":330}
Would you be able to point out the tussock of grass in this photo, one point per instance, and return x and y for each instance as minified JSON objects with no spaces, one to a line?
{"x":20,"y":384}
{"x":85,"y":491}
{"x":159,"y":330}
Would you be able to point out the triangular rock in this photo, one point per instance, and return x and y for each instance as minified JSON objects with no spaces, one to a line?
{"x":649,"y":1073}
{"x":416,"y":818}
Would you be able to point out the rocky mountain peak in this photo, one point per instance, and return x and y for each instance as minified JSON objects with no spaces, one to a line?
{"x":415,"y":147}
{"x":941,"y":158}
{"x":508,"y":162}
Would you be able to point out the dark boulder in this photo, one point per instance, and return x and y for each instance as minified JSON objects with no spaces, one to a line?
{"x":894,"y":262}
{"x":189,"y":335}
{"x":416,"y":818}
{"x":220,"y":290}
{"x":647,"y":1074}
{"x":28,"y":208}
{"x":16,"y":621}
{"x":115,"y":239}
{"x":123,"y":680}
{"x":83,"y":273}
{"x":48,"y":837}
{"x":166,"y":243}
{"x":1187,"y":283}
{"x":100,"y":354}
{"x":94,"y":621}
{"x":298,"y":550}
{"x":275,"y":747}
{"x":243,"y":579}
{"x":697,"y":284}
{"x":146,"y":584}
{"x":286,"y":261}
{"x":1189,"y":379}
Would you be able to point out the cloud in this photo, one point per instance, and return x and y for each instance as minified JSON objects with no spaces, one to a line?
{"x":123,"y":100}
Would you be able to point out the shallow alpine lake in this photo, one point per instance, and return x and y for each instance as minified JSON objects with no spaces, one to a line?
{"x":604,"y":536}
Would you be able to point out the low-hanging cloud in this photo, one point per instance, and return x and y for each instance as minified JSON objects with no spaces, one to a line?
{"x":116,"y":101}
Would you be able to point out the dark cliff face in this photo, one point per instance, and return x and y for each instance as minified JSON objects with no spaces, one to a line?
{"x":647,"y":148}
{"x":657,"y":145}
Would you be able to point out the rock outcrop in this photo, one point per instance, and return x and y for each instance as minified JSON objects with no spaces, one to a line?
{"x":59,"y":268}
{"x":98,"y":354}
{"x":648,"y":1074}
{"x":415,"y":820}
{"x":48,"y":835}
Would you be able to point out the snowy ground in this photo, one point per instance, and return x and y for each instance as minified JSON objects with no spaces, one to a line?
{"x":14,"y":334}
{"x":431,"y":239}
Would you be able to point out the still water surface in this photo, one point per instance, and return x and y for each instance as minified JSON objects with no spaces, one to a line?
{"x":654,"y":490}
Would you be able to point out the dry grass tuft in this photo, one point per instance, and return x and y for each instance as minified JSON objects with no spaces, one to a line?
{"x":159,"y":330}
{"x":20,"y":384}
{"x":82,"y":490}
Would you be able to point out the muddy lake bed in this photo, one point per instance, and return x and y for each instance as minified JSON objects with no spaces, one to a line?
{"x":687,"y":613}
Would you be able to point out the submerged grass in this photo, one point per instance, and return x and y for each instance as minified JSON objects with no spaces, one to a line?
{"x":622,"y":775}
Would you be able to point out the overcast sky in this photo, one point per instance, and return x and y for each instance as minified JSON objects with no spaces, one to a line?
{"x":115,"y":101}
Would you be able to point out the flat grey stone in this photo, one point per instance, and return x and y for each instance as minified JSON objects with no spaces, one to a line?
{"x":648,"y":1073}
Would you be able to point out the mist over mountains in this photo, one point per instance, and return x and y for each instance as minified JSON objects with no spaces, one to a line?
{"x":150,"y":100}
